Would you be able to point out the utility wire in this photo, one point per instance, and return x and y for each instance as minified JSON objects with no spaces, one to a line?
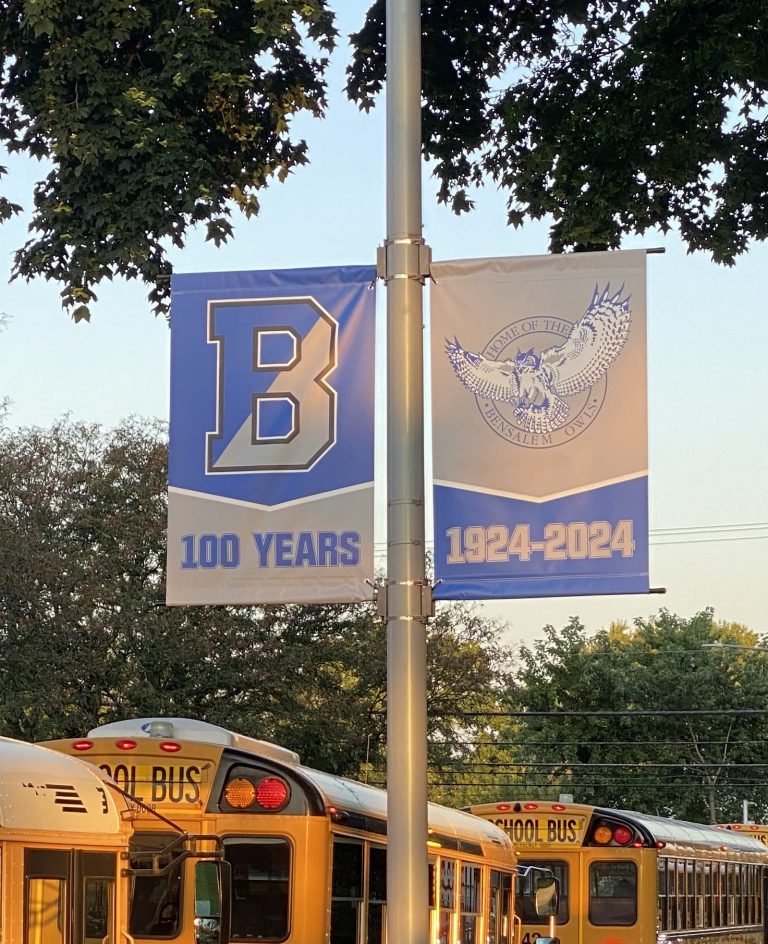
{"x":688,"y":534}
{"x":612,"y":743}
{"x":639,"y":713}
{"x":577,"y":765}
{"x":576,"y":785}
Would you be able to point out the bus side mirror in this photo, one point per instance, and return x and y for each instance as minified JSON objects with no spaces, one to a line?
{"x":546,"y":896}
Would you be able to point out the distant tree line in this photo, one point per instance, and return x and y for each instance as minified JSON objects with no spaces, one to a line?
{"x":85,"y":638}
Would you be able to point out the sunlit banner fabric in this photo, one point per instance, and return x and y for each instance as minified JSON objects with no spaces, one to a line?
{"x":270,"y":495}
{"x":539,"y":409}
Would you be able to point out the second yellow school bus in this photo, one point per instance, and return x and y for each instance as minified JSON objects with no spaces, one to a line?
{"x":757,"y":830}
{"x":630,"y":878}
{"x":306,"y":849}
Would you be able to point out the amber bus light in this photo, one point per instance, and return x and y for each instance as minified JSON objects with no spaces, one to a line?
{"x":240,"y":793}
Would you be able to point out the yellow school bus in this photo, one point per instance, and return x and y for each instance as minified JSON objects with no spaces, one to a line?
{"x":748,"y":829}
{"x":62,"y":834}
{"x":307,"y":849}
{"x":629,"y":878}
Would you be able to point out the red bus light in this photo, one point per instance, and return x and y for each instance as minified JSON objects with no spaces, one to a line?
{"x":272,"y":793}
{"x":82,"y":745}
{"x":125,"y":745}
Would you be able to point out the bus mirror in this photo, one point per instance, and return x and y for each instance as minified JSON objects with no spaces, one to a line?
{"x":546,"y":898}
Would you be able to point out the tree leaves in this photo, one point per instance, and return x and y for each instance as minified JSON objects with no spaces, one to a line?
{"x":609,"y":117}
{"x":85,"y":636}
{"x":150,"y":114}
{"x":667,"y":764}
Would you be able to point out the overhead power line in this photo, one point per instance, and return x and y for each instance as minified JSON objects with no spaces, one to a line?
{"x":639,"y":713}
{"x":577,"y":765}
{"x":613,"y":743}
{"x":577,"y":785}
{"x":696,"y":529}
{"x":686,"y":534}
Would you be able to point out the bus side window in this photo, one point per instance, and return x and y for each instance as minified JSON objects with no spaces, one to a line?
{"x":471,"y":904}
{"x":94,"y":913}
{"x":447,"y":900}
{"x":261,"y":887}
{"x":613,"y":893}
{"x":155,"y":900}
{"x":499,"y":910}
{"x":347,"y":891}
{"x":46,"y":891}
{"x":207,"y":903}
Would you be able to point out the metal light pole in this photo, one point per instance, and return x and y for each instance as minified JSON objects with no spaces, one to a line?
{"x":406,"y":599}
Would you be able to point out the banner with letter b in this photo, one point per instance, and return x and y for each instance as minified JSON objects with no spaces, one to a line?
{"x":539,"y":409}
{"x":270,"y":495}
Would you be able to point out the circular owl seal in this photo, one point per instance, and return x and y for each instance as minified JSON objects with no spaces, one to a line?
{"x":541,"y":381}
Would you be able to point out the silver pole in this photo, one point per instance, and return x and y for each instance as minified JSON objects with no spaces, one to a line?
{"x":407,"y":601}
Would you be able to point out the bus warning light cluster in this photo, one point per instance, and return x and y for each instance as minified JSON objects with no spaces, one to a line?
{"x":269,"y":793}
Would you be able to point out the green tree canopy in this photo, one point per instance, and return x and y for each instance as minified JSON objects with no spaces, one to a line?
{"x":85,"y":637}
{"x":610,"y":116}
{"x":677,"y":760}
{"x":152,"y":115}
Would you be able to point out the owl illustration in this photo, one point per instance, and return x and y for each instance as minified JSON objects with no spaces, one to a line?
{"x":537,"y":384}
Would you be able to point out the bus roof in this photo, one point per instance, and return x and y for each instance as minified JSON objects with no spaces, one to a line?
{"x":664,"y":829}
{"x":187,"y":729}
{"x":362,"y":798}
{"x":41,"y":789}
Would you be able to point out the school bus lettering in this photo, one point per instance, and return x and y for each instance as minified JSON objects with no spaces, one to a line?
{"x":530,"y":830}
{"x":561,"y":830}
{"x":175,"y":784}
{"x":158,"y":784}
{"x":124,"y":776}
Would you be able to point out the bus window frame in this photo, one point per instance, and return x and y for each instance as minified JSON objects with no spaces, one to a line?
{"x":263,"y":839}
{"x":476,"y":890}
{"x":593,"y":863}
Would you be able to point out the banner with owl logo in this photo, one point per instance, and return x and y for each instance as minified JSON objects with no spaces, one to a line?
{"x":270,"y":482}
{"x":539,"y":406}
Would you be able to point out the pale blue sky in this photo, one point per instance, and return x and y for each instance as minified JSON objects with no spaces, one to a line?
{"x":707,"y":349}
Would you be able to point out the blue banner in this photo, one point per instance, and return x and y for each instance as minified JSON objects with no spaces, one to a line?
{"x":540,"y":426}
{"x":271,"y":436}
